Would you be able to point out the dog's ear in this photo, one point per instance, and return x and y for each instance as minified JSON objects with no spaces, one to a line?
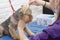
{"x":21,"y":12}
{"x":28,"y":11}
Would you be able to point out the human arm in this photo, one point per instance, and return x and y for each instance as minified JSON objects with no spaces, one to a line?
{"x":50,"y":4}
{"x":23,"y":36}
{"x":21,"y":26}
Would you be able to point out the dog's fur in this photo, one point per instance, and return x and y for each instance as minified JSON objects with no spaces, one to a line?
{"x":10,"y":25}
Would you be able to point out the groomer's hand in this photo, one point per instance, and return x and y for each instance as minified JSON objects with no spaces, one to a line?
{"x":35,"y":2}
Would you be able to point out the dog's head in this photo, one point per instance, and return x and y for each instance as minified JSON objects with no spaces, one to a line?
{"x":25,"y":13}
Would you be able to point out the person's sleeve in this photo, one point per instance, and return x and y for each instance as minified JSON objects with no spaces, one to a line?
{"x":40,"y":36}
{"x":53,"y":31}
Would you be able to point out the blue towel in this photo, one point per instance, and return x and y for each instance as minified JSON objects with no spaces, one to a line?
{"x":6,"y":38}
{"x":34,"y":27}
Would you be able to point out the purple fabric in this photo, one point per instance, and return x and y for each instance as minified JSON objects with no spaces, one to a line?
{"x":51,"y":33}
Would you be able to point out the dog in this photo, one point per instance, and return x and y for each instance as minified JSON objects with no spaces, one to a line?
{"x":9,"y":26}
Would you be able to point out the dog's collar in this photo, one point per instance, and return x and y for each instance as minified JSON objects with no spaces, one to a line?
{"x":16,"y":18}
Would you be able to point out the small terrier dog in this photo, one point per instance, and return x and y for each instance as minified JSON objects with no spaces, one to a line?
{"x":9,"y":26}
